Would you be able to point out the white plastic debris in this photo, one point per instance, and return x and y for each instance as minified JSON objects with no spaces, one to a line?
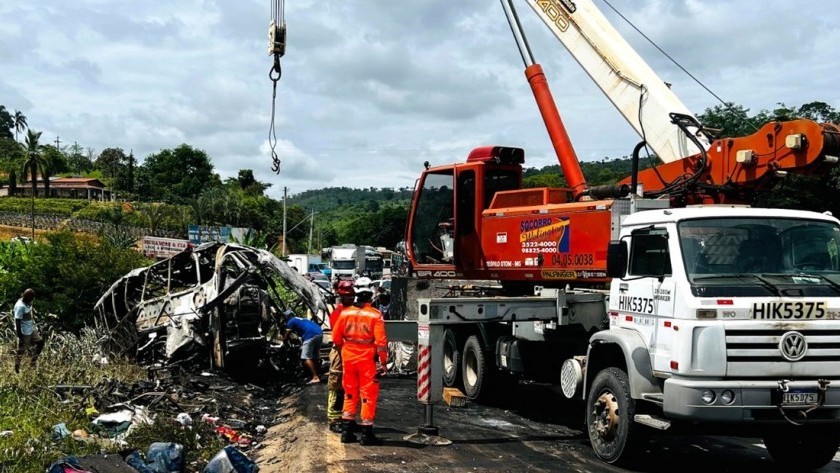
{"x":184,"y":419}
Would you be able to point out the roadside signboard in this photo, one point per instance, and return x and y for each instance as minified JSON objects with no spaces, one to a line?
{"x":199,"y":234}
{"x":163,"y":247}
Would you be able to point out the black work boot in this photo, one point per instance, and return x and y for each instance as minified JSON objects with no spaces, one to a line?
{"x":368,"y":438}
{"x":348,"y":435}
{"x":336,"y":427}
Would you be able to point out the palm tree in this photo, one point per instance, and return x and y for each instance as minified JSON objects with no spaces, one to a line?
{"x":155,"y":214}
{"x":34,"y":162}
{"x":19,"y":123}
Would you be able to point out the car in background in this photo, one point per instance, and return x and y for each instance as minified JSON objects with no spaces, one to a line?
{"x":382,"y":283}
{"x":319,"y":279}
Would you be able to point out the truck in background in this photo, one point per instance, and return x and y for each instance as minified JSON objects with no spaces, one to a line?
{"x":374,"y":263}
{"x":305,"y":264}
{"x":344,"y":260}
{"x":348,"y":260}
{"x":386,"y":260}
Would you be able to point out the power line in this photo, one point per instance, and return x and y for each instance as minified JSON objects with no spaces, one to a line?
{"x":664,"y":53}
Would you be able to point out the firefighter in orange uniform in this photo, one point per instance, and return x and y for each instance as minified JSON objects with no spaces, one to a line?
{"x":360,"y":332}
{"x":335,"y":394}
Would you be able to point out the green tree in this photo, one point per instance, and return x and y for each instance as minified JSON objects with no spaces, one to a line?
{"x":730,"y":120}
{"x":109,"y":162}
{"x":34,"y":162}
{"x":155,"y":214}
{"x":176,"y":175}
{"x":819,"y":111}
{"x":19,"y":123}
{"x":248,"y":183}
{"x":125,"y":174}
{"x":219,"y":206}
{"x":546,"y":179}
{"x":55,"y":162}
{"x":77,"y":161}
{"x":11,"y":157}
{"x":70,"y":273}
{"x":7,"y":123}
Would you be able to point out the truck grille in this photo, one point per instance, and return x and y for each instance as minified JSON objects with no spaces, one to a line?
{"x":752,"y":352}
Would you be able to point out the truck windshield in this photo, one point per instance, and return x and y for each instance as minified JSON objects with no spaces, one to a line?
{"x":344,"y":264}
{"x":772,"y":255}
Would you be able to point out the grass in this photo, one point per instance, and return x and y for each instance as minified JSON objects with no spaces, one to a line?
{"x":30,"y":405}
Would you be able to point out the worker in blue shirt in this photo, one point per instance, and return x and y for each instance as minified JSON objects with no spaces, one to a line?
{"x":312,"y":336}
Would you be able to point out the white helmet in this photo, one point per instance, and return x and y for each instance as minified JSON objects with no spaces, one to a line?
{"x":363,"y":284}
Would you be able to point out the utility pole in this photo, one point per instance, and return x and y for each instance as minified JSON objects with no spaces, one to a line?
{"x":311,"y":224}
{"x":57,"y":143}
{"x":285,"y":189}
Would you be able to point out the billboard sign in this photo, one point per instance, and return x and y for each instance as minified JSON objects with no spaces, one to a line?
{"x":158,"y":247}
{"x":199,"y":234}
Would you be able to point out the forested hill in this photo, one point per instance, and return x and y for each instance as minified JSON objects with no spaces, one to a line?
{"x":321,"y":200}
{"x":606,"y":171}
{"x":597,"y":173}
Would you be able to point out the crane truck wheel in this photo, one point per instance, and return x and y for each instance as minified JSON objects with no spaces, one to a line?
{"x":475,"y":368}
{"x":609,"y":418}
{"x":451,"y":359}
{"x":803,"y":448}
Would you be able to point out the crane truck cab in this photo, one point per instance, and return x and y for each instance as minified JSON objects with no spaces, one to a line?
{"x":728,"y":319}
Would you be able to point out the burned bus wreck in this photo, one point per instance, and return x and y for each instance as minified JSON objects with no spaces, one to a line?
{"x":215,"y":299}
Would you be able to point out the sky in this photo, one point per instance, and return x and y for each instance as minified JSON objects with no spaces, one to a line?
{"x":370,"y":89}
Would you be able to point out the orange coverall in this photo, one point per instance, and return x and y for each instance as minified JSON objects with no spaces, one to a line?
{"x":360,"y":332}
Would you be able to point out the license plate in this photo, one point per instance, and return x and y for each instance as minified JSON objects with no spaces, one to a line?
{"x":795,"y":398}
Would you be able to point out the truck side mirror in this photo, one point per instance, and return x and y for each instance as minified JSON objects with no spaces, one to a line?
{"x":617,"y":259}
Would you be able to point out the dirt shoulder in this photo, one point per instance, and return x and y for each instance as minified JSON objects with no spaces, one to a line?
{"x":301,"y":444}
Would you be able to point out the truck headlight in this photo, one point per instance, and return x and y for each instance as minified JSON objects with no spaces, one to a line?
{"x":708,"y":397}
{"x":727,"y":397}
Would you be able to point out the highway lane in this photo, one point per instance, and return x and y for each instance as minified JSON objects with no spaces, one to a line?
{"x":528,"y":430}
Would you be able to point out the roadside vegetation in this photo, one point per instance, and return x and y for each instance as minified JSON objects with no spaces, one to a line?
{"x":69,"y":271}
{"x":60,"y":390}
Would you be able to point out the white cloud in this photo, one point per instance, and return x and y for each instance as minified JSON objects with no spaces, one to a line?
{"x":371,"y":89}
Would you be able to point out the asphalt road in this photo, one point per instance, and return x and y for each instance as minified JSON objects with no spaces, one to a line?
{"x":532,"y":430}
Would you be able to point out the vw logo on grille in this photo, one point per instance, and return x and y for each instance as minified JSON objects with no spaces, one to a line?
{"x":793,"y":346}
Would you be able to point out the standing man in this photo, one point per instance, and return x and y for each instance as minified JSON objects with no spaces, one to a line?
{"x":29,"y":338}
{"x":311,"y":335}
{"x":335,"y":392}
{"x":383,"y":303}
{"x":360,"y":332}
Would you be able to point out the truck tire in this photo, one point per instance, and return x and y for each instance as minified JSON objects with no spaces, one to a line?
{"x":475,"y":369}
{"x":803,"y":448}
{"x":610,"y":409}
{"x":451,"y":359}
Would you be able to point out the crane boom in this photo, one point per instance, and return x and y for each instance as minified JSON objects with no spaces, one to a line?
{"x":643,"y":98}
